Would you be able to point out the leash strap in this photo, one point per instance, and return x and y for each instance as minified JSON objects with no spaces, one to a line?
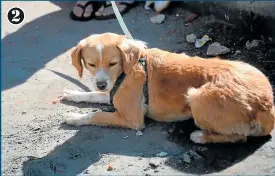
{"x":120,"y":20}
{"x":142,"y":61}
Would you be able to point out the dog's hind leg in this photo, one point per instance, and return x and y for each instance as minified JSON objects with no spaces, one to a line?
{"x":221,"y":117}
{"x":203,"y":137}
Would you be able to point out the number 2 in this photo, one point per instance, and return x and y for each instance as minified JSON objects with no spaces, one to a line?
{"x":15,"y":17}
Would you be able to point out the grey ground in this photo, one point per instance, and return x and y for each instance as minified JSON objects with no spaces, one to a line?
{"x":36,"y":68}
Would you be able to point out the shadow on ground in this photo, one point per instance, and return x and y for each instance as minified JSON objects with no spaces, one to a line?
{"x":36,"y":43}
{"x":212,"y":157}
{"x":86,"y":147}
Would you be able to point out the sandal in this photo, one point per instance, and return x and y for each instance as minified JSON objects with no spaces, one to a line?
{"x":83,"y":10}
{"x":106,"y":12}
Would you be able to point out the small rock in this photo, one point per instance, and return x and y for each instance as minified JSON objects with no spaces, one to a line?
{"x":186,"y":158}
{"x":191,"y":38}
{"x":157,"y":19}
{"x":55,"y":101}
{"x":24,"y":113}
{"x":194,"y":155}
{"x":125,"y":137}
{"x":139,"y":133}
{"x":237,"y":52}
{"x":177,"y":15}
{"x":171,"y":130}
{"x":109,"y":168}
{"x":154,"y":163}
{"x":216,"y":49}
{"x":252,"y":44}
{"x":191,"y":17}
{"x":37,"y":129}
{"x":162,"y":154}
{"x":187,"y":24}
{"x":86,"y":172}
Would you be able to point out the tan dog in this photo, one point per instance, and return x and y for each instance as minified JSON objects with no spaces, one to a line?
{"x":229,"y":100}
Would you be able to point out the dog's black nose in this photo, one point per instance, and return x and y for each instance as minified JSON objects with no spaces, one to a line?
{"x":101,"y":85}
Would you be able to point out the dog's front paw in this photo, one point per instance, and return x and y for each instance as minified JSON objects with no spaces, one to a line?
{"x":72,"y":95}
{"x":198,"y":137}
{"x":76,"y":119}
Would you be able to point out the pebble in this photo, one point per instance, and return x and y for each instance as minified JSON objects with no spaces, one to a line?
{"x":237,"y":52}
{"x":158,"y":19}
{"x":109,"y":168}
{"x":216,"y":49}
{"x":125,"y":137}
{"x":153,"y":163}
{"x":86,"y":172}
{"x":191,"y":38}
{"x":186,"y":158}
{"x":194,"y":155}
{"x":55,"y":102}
{"x":139,"y":133}
{"x":252,"y":44}
{"x":162,"y":154}
{"x":191,"y":17}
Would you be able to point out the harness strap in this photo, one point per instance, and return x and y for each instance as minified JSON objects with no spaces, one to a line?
{"x":121,"y":78}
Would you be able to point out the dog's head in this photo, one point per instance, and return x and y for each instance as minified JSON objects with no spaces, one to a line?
{"x":106,"y":56}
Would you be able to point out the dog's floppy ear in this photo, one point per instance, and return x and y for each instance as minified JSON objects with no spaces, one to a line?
{"x":131,"y":51}
{"x":76,"y":59}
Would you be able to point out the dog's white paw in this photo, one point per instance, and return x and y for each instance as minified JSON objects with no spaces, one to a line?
{"x":72,"y":95}
{"x":76,"y":119}
{"x":197,"y":137}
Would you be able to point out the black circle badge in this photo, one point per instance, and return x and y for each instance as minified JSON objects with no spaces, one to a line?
{"x":16,"y":15}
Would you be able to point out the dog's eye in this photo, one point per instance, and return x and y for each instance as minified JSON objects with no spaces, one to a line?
{"x":92,"y":65}
{"x":112,"y":64}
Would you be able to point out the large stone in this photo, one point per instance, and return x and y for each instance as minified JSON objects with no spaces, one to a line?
{"x":216,"y":49}
{"x":191,"y":38}
{"x":157,"y":19}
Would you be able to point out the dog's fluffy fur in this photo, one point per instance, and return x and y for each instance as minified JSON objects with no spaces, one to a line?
{"x":228,"y":100}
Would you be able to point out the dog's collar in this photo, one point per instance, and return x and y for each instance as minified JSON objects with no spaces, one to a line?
{"x":120,"y":79}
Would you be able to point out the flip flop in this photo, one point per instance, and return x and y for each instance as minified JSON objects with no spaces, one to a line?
{"x":109,"y":5}
{"x":84,"y":8}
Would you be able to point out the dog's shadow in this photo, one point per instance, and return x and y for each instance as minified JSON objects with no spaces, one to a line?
{"x":211,"y":157}
{"x":84,"y":149}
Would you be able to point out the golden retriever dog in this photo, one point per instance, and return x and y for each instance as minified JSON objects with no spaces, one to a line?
{"x":228,"y":100}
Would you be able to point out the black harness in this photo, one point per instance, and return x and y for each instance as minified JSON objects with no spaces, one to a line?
{"x":120,"y":79}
